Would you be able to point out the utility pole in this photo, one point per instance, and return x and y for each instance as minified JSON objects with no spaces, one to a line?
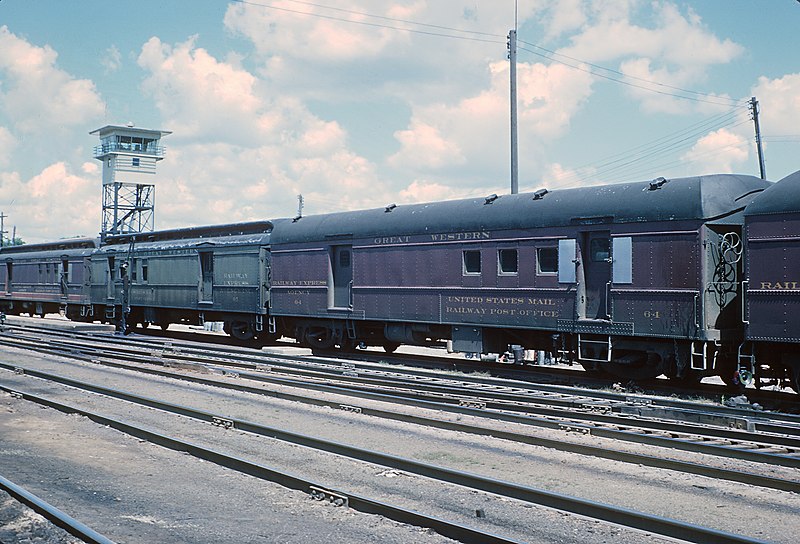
{"x":512,"y":57}
{"x":754,"y":109}
{"x":2,"y":228}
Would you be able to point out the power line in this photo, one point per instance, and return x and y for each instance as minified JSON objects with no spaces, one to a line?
{"x":647,"y":157}
{"x":500,"y":40}
{"x":488,"y":37}
{"x":393,"y":19}
{"x":727,"y":101}
{"x":731,"y":101}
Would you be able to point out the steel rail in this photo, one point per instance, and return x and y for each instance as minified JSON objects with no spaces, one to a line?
{"x":53,"y":514}
{"x":439,"y":403}
{"x":315,"y":489}
{"x":686,"y":411}
{"x":604,"y":512}
{"x":239,"y":356}
{"x":739,"y":476}
{"x":586,"y":410}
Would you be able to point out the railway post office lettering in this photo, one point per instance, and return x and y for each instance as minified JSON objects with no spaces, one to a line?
{"x":501,"y":306}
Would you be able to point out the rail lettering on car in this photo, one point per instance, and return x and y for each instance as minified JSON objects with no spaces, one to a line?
{"x":458,"y":236}
{"x":234,"y":278}
{"x":501,"y":306}
{"x":391,"y":240}
{"x":780,"y":286}
{"x":299,"y":283}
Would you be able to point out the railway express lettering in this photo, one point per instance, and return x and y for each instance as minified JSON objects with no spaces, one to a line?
{"x":780,"y":286}
{"x":298,"y":283}
{"x":458,"y":236}
{"x":234,"y":278}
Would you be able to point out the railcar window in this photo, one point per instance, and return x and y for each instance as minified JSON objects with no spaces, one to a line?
{"x":144,"y":271}
{"x":507,"y":258}
{"x":547,"y":260}
{"x":600,"y":249}
{"x":472,"y":262}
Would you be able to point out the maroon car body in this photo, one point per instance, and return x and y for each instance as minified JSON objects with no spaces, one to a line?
{"x":627,"y":277}
{"x":771,"y":352}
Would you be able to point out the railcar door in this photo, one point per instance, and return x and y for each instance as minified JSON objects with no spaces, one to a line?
{"x":111,"y":278}
{"x":64,"y":277}
{"x":342,"y":268}
{"x":206,"y":276}
{"x":9,"y":275}
{"x":597,"y":273}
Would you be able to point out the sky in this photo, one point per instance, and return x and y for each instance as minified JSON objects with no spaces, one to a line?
{"x":362,"y":103}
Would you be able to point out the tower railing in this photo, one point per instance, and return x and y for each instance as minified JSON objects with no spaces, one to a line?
{"x":113,"y":147}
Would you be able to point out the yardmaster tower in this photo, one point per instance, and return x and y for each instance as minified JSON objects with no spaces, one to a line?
{"x":129,"y":156}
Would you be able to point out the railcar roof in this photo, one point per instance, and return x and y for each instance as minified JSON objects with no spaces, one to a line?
{"x":710,"y":197}
{"x":782,"y":197}
{"x":256,"y":232}
{"x":63,"y":246}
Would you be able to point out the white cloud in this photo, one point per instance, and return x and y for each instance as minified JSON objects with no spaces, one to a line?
{"x":677,"y":51}
{"x":252,"y":149}
{"x":55,"y":203}
{"x":7,"y":145}
{"x":325,"y":59}
{"x":200,"y":97}
{"x":718,"y":152}
{"x":473,"y":134}
{"x":562,"y":17}
{"x":780,"y":104}
{"x":112,"y":60}
{"x":36,"y":94}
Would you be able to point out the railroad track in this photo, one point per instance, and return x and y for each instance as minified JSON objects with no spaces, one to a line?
{"x":636,"y":419}
{"x":53,"y":514}
{"x":447,"y":394}
{"x":603,"y":512}
{"x":557,"y":375}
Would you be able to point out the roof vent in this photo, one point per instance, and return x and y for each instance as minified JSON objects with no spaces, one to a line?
{"x":656,"y":184}
{"x":538,"y":195}
{"x":491,"y":198}
{"x":390,"y":207}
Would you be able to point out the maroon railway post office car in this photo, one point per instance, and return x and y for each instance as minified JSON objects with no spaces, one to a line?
{"x":634,"y":278}
{"x":38,"y":279}
{"x":771,"y":352}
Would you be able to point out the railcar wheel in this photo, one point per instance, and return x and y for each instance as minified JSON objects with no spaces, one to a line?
{"x":241,"y":330}
{"x":164,"y":325}
{"x":390,"y":347}
{"x":320,"y":338}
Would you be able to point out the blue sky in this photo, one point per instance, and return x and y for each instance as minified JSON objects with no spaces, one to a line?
{"x":360,"y":103}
